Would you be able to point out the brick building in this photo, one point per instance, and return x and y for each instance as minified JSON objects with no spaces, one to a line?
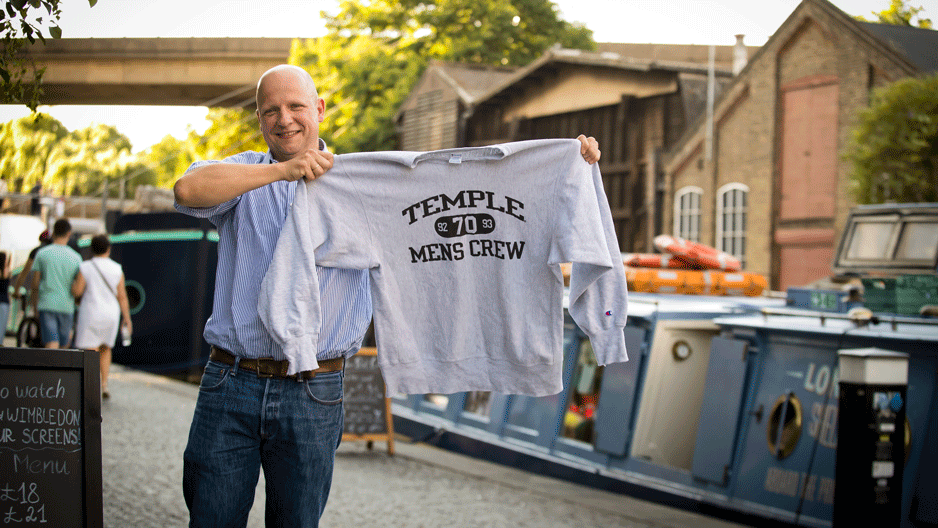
{"x":766,"y":182}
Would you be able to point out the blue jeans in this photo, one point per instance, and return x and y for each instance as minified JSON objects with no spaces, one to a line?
{"x":56,"y":326}
{"x":242,"y":423}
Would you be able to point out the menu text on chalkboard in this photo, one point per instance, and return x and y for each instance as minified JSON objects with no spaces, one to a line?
{"x":50,"y":448}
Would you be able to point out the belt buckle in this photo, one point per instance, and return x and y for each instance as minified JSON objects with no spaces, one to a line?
{"x":257,"y":370}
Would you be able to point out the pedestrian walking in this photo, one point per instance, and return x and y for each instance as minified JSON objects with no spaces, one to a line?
{"x":55,"y":267}
{"x":103,"y":308}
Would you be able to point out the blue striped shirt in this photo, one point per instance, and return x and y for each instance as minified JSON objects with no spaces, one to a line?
{"x":248,"y":229}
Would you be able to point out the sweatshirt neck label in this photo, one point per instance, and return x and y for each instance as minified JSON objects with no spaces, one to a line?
{"x":455,"y":159}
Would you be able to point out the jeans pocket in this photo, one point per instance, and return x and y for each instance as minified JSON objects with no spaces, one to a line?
{"x":326,"y":388}
{"x":214,"y":377}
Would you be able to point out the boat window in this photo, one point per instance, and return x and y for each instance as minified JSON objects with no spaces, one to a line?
{"x":580,"y":418}
{"x":783,"y":428}
{"x":870,"y":241}
{"x":533,"y":415}
{"x":440,"y":400}
{"x":918,"y":241}
{"x":479,"y":402}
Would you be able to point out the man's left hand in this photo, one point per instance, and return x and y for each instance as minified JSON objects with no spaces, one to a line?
{"x":590,"y":149}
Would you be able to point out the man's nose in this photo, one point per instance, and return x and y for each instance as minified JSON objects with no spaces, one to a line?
{"x":284,"y":118}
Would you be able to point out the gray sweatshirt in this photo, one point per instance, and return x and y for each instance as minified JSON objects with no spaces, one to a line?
{"x":464,"y":248}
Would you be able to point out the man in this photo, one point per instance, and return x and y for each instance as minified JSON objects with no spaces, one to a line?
{"x":249,"y":414}
{"x":55,"y":268}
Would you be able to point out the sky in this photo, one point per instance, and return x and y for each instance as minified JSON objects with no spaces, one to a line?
{"x":637,"y":21}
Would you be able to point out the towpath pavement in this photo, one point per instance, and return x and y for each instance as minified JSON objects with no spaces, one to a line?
{"x":146,"y":424}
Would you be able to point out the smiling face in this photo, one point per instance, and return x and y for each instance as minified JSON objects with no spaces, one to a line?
{"x":289,"y":111}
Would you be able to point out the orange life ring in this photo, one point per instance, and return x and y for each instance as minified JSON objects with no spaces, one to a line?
{"x":696,"y":254}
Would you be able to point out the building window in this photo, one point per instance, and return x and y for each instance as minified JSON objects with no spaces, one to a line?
{"x":687,"y":213}
{"x":731,"y":220}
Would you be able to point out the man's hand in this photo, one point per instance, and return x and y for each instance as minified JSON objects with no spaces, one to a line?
{"x":311,"y":165}
{"x":590,"y":149}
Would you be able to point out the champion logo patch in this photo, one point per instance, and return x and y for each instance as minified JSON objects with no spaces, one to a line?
{"x":609,"y":312}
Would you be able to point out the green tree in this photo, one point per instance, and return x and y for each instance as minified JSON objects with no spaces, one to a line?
{"x":506,"y":32}
{"x":899,"y":14}
{"x":23,"y":22}
{"x":25,"y":145}
{"x":894,"y":150}
{"x":82,"y":161}
{"x":375,"y":51}
{"x":163,"y":162}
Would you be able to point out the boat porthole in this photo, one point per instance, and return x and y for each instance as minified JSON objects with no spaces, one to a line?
{"x":681,"y":350}
{"x":135,"y":295}
{"x":783,"y":429}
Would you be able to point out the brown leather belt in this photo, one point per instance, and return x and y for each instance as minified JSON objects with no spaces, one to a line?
{"x":271,"y":368}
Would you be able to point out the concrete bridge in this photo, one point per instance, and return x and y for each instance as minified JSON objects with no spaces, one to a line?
{"x":219,"y":72}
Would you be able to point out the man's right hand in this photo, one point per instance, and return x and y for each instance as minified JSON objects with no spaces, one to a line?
{"x":311,"y":165}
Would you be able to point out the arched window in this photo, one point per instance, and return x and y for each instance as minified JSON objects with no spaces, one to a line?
{"x":687,"y":213}
{"x":732,"y":201}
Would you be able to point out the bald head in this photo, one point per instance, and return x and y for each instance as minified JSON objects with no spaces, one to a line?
{"x":285,"y":70}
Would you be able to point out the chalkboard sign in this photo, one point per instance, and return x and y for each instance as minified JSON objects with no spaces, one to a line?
{"x":50,"y":438}
{"x":367,"y":409}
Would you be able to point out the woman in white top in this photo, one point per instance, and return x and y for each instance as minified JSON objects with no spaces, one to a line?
{"x":100,"y":283}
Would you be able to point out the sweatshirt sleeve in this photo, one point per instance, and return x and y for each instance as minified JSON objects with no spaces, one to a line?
{"x":326,"y":226}
{"x":585,"y":237}
{"x":288,"y":303}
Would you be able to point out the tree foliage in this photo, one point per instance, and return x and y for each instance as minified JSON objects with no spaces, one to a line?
{"x":39,"y":149}
{"x":375,"y":51}
{"x":495,"y":32}
{"x":894,"y":151}
{"x":82,"y":161}
{"x":165,"y":161}
{"x":899,"y":14}
{"x":25,"y":145}
{"x":23,"y":22}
